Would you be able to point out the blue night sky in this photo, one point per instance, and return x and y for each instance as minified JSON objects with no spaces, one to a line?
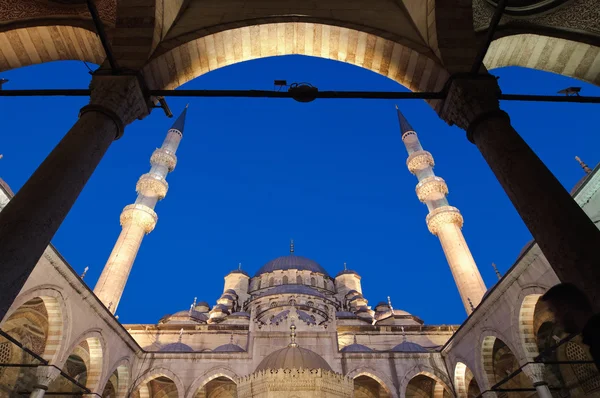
{"x":330,"y":174}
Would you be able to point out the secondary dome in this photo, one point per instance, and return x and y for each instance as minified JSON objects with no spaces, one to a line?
{"x":408,"y":346}
{"x":291,"y":262}
{"x":293,"y":357}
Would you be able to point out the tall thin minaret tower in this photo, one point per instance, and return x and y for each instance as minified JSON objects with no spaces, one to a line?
{"x":443,"y":220}
{"x":139,"y":218}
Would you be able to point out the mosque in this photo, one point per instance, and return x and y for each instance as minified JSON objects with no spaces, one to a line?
{"x":292,"y":329}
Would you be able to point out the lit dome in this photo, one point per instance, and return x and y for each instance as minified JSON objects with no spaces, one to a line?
{"x":291,"y":262}
{"x":293,"y":357}
{"x":407,"y":346}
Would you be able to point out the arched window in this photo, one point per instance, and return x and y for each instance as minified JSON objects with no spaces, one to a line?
{"x":299,"y":280}
{"x":273,"y":304}
{"x":313,"y":282}
{"x":271,"y":282}
{"x":310,"y":303}
{"x":258,"y":284}
{"x":285,"y":280}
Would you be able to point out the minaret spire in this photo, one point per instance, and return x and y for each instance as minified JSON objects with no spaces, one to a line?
{"x":139,"y":219}
{"x":583,"y":165}
{"x":291,"y":246}
{"x":443,"y":220}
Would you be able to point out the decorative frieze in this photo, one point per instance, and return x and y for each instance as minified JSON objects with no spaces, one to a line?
{"x":431,"y":188}
{"x":419,"y":160}
{"x":164,"y":157}
{"x":152,"y":185}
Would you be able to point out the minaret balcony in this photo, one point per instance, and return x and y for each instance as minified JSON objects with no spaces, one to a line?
{"x":419,"y":160}
{"x":431,"y":188}
{"x":164,"y":157}
{"x":140,"y":215}
{"x":152,"y":185}
{"x":442,"y":216}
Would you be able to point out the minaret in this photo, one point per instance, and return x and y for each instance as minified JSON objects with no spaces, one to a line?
{"x":443,"y":220}
{"x":139,"y":219}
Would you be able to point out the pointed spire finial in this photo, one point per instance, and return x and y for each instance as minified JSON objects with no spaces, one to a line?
{"x":180,"y":334}
{"x":195,"y":301}
{"x":584,"y":166}
{"x":355,"y":339}
{"x":404,"y":124}
{"x":390,"y":304}
{"x":345,"y":269}
{"x":85,"y":270}
{"x":471,"y":304}
{"x":231,"y":338}
{"x":498,"y":274}
{"x":293,"y":335}
{"x":180,"y":122}
{"x":291,"y":246}
{"x":403,"y":333}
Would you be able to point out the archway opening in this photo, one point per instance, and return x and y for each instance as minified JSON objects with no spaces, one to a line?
{"x":368,"y":387}
{"x":424,"y":386}
{"x":116,"y":385}
{"x":83,"y":365}
{"x":464,"y":382}
{"x":37,"y":326}
{"x":499,"y":362}
{"x":158,"y":387}
{"x":220,"y":387}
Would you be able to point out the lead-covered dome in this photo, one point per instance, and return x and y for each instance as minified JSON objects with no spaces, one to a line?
{"x":291,"y":262}
{"x":293,"y":357}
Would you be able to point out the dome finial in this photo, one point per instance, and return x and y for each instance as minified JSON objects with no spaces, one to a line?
{"x":584,"y":166}
{"x":180,"y":334}
{"x":390,"y":304}
{"x":291,"y":246}
{"x":498,"y":274}
{"x":231,"y":338}
{"x":239,"y":266}
{"x":293,"y":336}
{"x":345,"y":269}
{"x":355,"y":339}
{"x":403,"y":334}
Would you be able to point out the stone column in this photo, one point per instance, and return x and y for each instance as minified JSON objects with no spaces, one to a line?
{"x":44,"y":375}
{"x":564,"y":233}
{"x":535,"y":372}
{"x":32,"y":217}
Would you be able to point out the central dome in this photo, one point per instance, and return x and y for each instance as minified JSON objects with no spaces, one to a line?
{"x":291,"y":262}
{"x":293,"y":357}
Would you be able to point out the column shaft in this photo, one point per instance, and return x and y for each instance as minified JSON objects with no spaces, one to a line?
{"x":114,"y":276}
{"x":32,"y":217}
{"x":564,"y":233}
{"x":543,"y":391}
{"x":37,"y":393}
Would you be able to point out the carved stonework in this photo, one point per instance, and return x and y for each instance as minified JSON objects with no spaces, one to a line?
{"x":535,"y":372}
{"x":443,"y":215}
{"x":419,"y":160}
{"x":469,"y":98}
{"x":44,"y":375}
{"x":164,"y":157}
{"x":152,"y":185}
{"x":140,"y":215}
{"x":431,"y":188}
{"x":11,"y":10}
{"x":121,"y":95}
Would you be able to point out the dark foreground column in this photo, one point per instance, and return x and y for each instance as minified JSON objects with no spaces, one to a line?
{"x":565,"y":234}
{"x":32,"y":217}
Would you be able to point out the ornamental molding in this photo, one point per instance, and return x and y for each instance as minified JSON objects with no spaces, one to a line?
{"x":140,"y":215}
{"x":152,"y":185}
{"x":431,"y":186}
{"x":419,"y":160}
{"x":164,"y":157}
{"x":442,"y":216}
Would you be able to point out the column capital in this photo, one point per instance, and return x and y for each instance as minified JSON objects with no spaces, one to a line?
{"x":44,"y":375}
{"x":535,"y":372}
{"x":470,"y":100}
{"x":119,"y":97}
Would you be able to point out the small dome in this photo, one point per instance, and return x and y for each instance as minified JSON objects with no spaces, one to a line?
{"x":239,"y":271}
{"x":293,"y":357}
{"x":184,"y":316}
{"x":362,"y":309}
{"x":227,"y":297}
{"x":229,"y":348}
{"x":291,"y":262}
{"x":356,"y":348}
{"x":346,"y":272}
{"x":407,"y":346}
{"x":230,"y":291}
{"x":176,"y":347}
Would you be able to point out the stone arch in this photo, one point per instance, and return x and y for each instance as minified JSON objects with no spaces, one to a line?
{"x":38,"y":44}
{"x":382,"y":379}
{"x":58,"y":317}
{"x":441,"y":382}
{"x":94,"y":345}
{"x":122,"y":370}
{"x":400,"y":63}
{"x":463,"y":378}
{"x":551,"y":54}
{"x":140,"y":385}
{"x":209,"y":375}
{"x":527,"y":331}
{"x":498,"y":361}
